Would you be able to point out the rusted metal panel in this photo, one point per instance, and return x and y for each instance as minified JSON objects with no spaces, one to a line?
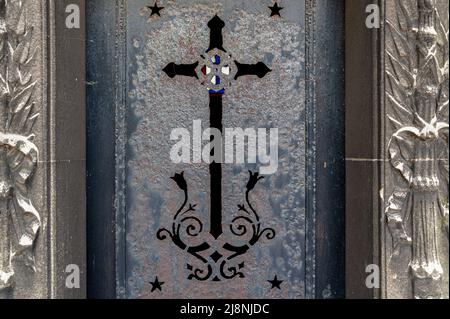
{"x":158,"y":104}
{"x":151,"y":101}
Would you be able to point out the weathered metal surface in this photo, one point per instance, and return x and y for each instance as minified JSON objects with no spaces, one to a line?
{"x":158,"y":105}
{"x":134,"y":105}
{"x":416,"y":136}
{"x":327,"y":198}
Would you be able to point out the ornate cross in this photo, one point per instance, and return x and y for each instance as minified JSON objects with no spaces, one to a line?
{"x":218,"y":261}
{"x":214,"y":74}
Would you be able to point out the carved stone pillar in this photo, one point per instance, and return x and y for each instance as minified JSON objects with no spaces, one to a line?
{"x":416,"y":135}
{"x":402,"y":218}
{"x":41,"y":150}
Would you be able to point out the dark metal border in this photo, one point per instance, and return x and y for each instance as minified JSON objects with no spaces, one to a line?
{"x":101,"y":140}
{"x":66,"y":120}
{"x":363,"y":76}
{"x":329,"y":108}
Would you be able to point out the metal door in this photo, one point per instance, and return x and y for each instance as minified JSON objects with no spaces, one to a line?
{"x":177,"y":207}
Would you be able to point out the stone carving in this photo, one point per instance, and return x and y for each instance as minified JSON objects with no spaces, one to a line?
{"x":19,"y":220}
{"x":417,"y":110}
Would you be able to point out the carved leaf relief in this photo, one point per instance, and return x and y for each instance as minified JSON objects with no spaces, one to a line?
{"x":417,"y":54}
{"x":19,"y":220}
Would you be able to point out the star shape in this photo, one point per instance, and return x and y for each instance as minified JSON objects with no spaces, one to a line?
{"x":155,"y":9}
{"x":156,"y":285}
{"x":275,"y":10}
{"x":275,"y":283}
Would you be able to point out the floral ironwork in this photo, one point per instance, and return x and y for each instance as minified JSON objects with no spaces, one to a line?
{"x":216,"y":264}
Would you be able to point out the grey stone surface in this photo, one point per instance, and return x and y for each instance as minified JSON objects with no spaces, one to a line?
{"x":397,"y":151}
{"x":23,"y":212}
{"x":415,"y":128}
{"x":42,"y":215}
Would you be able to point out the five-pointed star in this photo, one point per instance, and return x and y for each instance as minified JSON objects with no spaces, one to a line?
{"x":275,"y":10}
{"x":275,"y":283}
{"x":156,"y":285}
{"x":155,"y":9}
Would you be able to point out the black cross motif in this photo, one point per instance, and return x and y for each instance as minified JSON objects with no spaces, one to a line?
{"x":215,"y":103}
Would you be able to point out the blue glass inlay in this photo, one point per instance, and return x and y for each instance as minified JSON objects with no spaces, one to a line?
{"x":222,"y":91}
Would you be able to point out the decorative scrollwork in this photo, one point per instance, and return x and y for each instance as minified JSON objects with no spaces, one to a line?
{"x":218,"y":265}
{"x":251,"y":217}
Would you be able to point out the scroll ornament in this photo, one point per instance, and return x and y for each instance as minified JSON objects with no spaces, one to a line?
{"x":19,"y":220}
{"x":417,"y":99}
